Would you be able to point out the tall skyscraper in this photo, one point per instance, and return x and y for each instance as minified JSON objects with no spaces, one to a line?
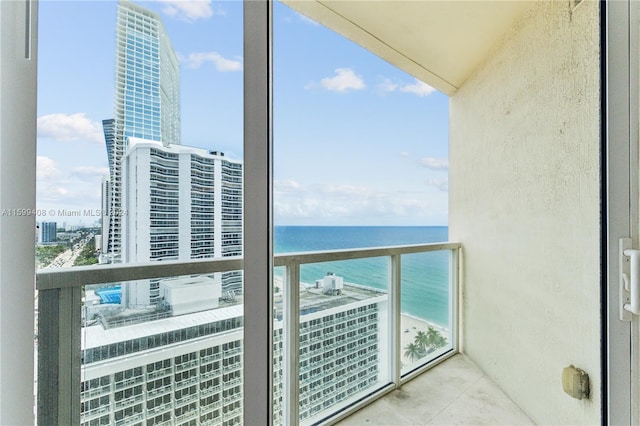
{"x":147,"y":102}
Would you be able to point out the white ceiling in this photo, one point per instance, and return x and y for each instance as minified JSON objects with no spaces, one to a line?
{"x":439,"y":42}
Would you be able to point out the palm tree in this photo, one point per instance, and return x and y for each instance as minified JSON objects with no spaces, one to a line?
{"x":441,"y":341}
{"x":422,"y":340}
{"x":412,"y":351}
{"x":434,"y":339}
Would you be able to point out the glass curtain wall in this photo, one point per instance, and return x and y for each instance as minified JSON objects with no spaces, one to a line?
{"x":360,"y":162}
{"x":140,"y":162}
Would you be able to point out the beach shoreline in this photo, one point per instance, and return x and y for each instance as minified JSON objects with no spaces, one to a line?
{"x":410,"y":325}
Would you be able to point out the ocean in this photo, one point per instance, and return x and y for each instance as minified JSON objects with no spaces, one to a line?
{"x":425,"y":276}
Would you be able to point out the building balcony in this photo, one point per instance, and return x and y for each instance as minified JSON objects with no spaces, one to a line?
{"x":457,"y":392}
{"x":210,"y":390}
{"x":91,"y":393}
{"x":381,"y":324}
{"x":160,"y":391}
{"x":191,"y":415}
{"x":186,"y":365}
{"x":128,"y":401}
{"x":159,"y":373}
{"x":130,"y":420}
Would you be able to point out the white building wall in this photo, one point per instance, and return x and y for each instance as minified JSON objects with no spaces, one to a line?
{"x":184,"y":238}
{"x":345,"y":375}
{"x":138,"y":228}
{"x":140,"y":196}
{"x":218,"y":208}
{"x":524,"y":201}
{"x":105,"y":197}
{"x":135,"y":222}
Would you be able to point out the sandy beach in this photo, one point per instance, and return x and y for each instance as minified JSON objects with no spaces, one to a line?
{"x":410,"y":326}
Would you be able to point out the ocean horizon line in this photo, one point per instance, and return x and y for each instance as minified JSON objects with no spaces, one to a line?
{"x":361,"y":226}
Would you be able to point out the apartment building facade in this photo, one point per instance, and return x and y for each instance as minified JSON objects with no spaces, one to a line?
{"x":179,"y":203}
{"x":188,"y":369}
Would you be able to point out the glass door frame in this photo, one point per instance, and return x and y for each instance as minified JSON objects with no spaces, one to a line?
{"x":258,"y":213}
{"x":619,"y":74}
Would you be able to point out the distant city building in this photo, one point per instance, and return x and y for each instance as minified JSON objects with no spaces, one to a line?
{"x":104,"y":222}
{"x":188,"y":369}
{"x":147,"y":102}
{"x":49,"y":232}
{"x":181,"y":203}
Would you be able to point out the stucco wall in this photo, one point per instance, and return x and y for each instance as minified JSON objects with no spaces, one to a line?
{"x":524,"y":201}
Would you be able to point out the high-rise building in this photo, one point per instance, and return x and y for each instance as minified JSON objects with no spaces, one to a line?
{"x":162,"y":201}
{"x":188,"y":369}
{"x":147,"y":102}
{"x":49,"y":231}
{"x":181,"y":203}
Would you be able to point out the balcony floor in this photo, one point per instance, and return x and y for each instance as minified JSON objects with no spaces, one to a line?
{"x":454,"y":392}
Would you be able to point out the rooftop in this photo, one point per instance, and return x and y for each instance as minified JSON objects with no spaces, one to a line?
{"x":311,"y":300}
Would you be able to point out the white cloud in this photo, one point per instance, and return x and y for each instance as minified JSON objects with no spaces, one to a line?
{"x":51,"y":182}
{"x":46,"y":168}
{"x":287,"y":184}
{"x":433,"y":163}
{"x":188,"y":10}
{"x":90,"y":171}
{"x":418,"y":88}
{"x":57,"y":188}
{"x":387,"y":86}
{"x":441,"y":184}
{"x":70,"y":127}
{"x":344,"y":80}
{"x":335,"y":203}
{"x":197,"y":59}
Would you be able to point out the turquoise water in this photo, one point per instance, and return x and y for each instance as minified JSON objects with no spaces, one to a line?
{"x":425,"y":276}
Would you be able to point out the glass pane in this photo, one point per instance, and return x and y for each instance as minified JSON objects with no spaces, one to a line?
{"x":344,"y":338}
{"x":426,"y":308}
{"x":278,"y":347}
{"x":174,"y":362}
{"x":360,"y":160}
{"x":140,"y":160}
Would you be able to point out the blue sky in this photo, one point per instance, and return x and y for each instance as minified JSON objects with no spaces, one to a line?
{"x":356,"y":140}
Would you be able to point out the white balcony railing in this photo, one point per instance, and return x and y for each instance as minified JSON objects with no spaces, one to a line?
{"x":59,"y":327}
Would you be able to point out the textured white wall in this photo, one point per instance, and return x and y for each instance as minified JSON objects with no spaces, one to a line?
{"x":524,"y":201}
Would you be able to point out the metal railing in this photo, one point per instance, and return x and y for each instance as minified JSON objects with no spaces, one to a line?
{"x":59,"y":319}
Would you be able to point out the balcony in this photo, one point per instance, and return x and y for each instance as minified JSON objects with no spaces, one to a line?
{"x":531,"y":166}
{"x":376,"y":360}
{"x":456,"y":392}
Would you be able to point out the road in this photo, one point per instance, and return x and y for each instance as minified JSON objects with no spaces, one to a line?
{"x":69,"y":256}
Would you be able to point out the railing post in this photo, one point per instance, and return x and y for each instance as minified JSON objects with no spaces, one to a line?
{"x":291,"y":344}
{"x":59,"y":357}
{"x":395,"y":316}
{"x":455,"y":298}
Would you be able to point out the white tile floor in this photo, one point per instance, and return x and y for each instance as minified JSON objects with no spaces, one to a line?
{"x":455,"y":392}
